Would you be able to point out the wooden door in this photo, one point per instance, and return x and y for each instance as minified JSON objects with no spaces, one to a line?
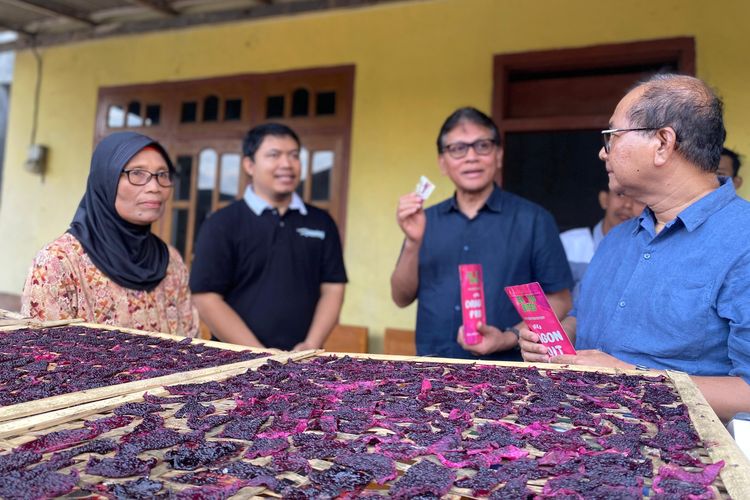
{"x":551,"y":107}
{"x":322,"y":173}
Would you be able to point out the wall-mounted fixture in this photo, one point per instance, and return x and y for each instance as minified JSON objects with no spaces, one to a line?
{"x":36,"y":159}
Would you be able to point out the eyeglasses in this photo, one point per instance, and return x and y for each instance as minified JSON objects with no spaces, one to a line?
{"x":138,"y":177}
{"x":458,"y":150}
{"x":607,"y":134}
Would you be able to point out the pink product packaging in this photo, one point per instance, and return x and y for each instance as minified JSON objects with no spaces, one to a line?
{"x":533,"y":307}
{"x":472,"y":301}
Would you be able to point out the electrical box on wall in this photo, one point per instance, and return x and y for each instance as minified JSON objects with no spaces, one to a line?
{"x":36,"y":158}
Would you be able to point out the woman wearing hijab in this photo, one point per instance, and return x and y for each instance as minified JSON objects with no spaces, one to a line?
{"x":109,"y":267}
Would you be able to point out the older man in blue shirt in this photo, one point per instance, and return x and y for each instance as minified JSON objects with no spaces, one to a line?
{"x":669,"y":289}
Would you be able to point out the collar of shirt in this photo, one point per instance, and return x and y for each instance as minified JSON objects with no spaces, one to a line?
{"x":493,"y":203}
{"x":258,"y":204}
{"x":697,"y":213}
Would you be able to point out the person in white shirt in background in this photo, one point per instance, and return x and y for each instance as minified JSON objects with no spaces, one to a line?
{"x":580,"y":243}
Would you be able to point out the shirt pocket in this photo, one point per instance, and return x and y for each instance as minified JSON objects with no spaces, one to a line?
{"x":674,"y":319}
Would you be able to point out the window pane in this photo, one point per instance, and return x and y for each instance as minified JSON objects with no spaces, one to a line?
{"x":275,"y":106}
{"x":184,"y":168}
{"x":325,"y":103}
{"x":134,"y":115}
{"x":115,"y":117}
{"x":300,"y":102}
{"x":189,"y":112}
{"x":207,"y":162}
{"x":179,"y":229}
{"x":207,"y":166}
{"x":304,"y":159}
{"x":153,"y":114}
{"x":232,"y":109}
{"x":211,"y":109}
{"x":229,"y":184}
{"x":322,"y":164}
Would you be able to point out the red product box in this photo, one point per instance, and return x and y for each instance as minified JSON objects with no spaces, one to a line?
{"x":472,"y":301}
{"x":533,"y":307}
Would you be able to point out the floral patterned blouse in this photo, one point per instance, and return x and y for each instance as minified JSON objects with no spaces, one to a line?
{"x":63,"y":283}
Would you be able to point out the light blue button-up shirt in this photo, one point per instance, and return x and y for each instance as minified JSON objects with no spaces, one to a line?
{"x":677,"y":300}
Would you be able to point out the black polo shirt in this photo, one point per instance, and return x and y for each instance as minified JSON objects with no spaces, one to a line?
{"x":268,"y":267}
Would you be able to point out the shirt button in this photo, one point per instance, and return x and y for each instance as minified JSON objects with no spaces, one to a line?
{"x":646,"y":256}
{"x":466,"y":248}
{"x":281,"y":223}
{"x":457,"y":307}
{"x":622,"y":303}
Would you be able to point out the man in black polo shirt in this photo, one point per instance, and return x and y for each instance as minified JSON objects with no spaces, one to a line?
{"x":268,"y":269}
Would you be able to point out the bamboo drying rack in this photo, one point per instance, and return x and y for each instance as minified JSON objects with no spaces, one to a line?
{"x":38,"y":406}
{"x":27,"y":420}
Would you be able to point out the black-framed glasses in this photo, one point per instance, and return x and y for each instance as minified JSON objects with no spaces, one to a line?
{"x":607,"y":134}
{"x":481,"y":147}
{"x":139,"y":177}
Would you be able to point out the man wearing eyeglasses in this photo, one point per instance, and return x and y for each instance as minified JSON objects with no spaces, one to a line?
{"x":515,"y":241}
{"x":669,"y":289}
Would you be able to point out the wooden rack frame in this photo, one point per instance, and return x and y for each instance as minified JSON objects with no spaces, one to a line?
{"x":69,"y":410}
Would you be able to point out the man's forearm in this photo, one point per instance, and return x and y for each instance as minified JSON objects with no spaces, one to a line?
{"x":405,"y":278}
{"x":726,"y":395}
{"x":561,"y":302}
{"x":224,"y":321}
{"x":326,"y":314}
{"x":570,"y":324}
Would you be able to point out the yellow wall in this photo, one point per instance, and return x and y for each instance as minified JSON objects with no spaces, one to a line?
{"x":415,"y":62}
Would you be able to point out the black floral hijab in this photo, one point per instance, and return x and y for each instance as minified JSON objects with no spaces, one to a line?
{"x":129,"y":254}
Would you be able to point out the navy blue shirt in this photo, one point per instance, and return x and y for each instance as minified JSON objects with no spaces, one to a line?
{"x":269,"y":267}
{"x":675,"y":300}
{"x":516,"y":241}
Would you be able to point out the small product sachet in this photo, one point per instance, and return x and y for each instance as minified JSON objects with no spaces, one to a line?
{"x":425,"y":188}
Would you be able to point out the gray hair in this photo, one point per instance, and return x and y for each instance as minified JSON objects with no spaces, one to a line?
{"x":691,"y":108}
